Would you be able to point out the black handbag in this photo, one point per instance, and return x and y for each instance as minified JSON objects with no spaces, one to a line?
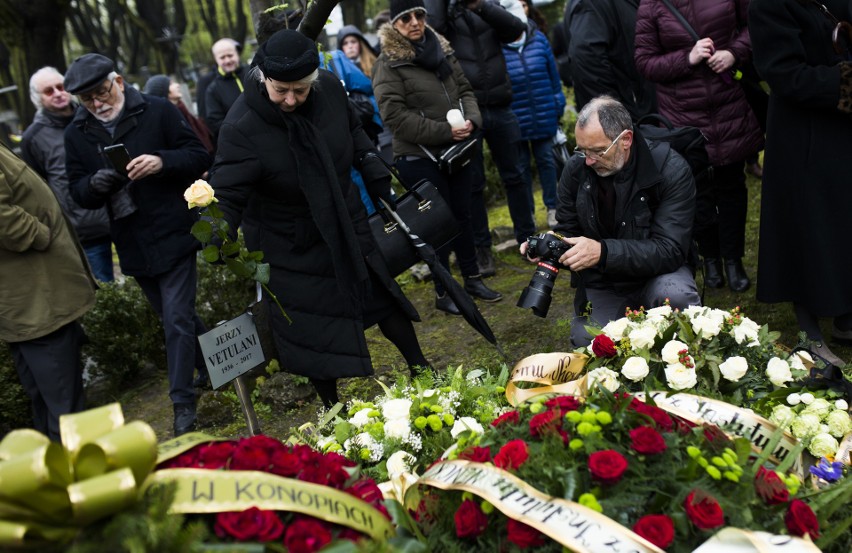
{"x":427,"y":215}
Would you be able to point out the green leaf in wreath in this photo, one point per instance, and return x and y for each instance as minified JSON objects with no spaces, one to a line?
{"x":202,"y":231}
{"x":210,"y":253}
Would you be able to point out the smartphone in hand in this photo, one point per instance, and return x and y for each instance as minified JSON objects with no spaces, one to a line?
{"x":118,"y":157}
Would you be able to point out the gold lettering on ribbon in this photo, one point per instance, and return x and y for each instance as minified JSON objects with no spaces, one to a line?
{"x":734,"y":420}
{"x":557,"y":371}
{"x":213,"y":491}
{"x":576,"y":527}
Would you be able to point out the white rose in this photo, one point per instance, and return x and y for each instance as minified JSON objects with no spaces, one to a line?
{"x":361,"y":418}
{"x":642,"y":337}
{"x":746,"y":331}
{"x":397,"y":429}
{"x":671,"y":351}
{"x":396,"y":409}
{"x":199,"y":194}
{"x":841,"y":404}
{"x":706,"y":327}
{"x":465,"y":424}
{"x":807,"y":398}
{"x":400,"y":462}
{"x":794,"y":399}
{"x":734,"y":368}
{"x":606,"y":377}
{"x":635,"y":368}
{"x":778,"y":372}
{"x":615,"y":329}
{"x":693,"y":311}
{"x":680,"y":377}
{"x":661,"y":311}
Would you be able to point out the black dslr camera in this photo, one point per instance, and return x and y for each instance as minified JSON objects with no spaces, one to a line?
{"x":548,"y":248}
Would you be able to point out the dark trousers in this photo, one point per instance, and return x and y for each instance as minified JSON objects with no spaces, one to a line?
{"x":609,"y":305}
{"x":172,"y":295}
{"x":721,"y":208}
{"x":500,"y":129}
{"x":99,"y":255}
{"x":456,"y":191}
{"x":50,"y":372}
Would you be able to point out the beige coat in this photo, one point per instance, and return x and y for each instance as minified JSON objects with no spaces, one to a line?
{"x":45,"y":280}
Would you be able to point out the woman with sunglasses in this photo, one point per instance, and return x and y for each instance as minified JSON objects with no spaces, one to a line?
{"x":696,"y":88}
{"x":801,"y":49}
{"x":417,"y":81}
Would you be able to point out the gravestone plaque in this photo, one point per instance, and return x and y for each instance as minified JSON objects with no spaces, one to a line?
{"x":231,"y":349}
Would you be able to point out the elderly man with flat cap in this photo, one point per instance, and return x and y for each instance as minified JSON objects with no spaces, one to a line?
{"x":149,"y":220}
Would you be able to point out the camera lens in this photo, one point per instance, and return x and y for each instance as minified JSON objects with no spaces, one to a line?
{"x":537,"y":295}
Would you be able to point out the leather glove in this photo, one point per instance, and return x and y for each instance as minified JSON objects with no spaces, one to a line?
{"x":106,"y":181}
{"x":380,"y":189}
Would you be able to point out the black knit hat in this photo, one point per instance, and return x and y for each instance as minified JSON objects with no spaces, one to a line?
{"x":158,"y":85}
{"x":87,"y":72}
{"x":399,"y":8}
{"x":287,"y":56}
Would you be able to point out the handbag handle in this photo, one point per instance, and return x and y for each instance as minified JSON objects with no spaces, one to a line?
{"x":422,"y":202}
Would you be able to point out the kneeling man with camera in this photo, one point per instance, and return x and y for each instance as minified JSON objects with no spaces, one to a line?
{"x":625,"y":210}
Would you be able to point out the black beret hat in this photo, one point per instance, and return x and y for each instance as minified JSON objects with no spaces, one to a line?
{"x":287,"y":56}
{"x":87,"y":72}
{"x":401,"y":7}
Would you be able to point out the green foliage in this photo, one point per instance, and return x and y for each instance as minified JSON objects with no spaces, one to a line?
{"x":14,"y":404}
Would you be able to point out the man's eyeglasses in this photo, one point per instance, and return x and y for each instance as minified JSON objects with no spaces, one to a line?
{"x":101,"y":96}
{"x":598,"y":154}
{"x":51,"y":89}
{"x":406,"y":17}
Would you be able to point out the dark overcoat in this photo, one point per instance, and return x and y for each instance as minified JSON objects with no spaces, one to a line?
{"x":805,"y":248}
{"x":258,"y":183}
{"x":695,"y":95}
{"x":157,"y":236}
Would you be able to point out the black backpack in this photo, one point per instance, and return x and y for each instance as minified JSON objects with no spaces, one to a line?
{"x":689,"y":142}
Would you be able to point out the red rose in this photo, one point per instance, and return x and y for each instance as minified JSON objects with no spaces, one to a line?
{"x":770,"y":487}
{"x":564,"y":403}
{"x":662,"y":419}
{"x":603,"y":346}
{"x":476,"y":454}
{"x":524,"y":536}
{"x":657,"y":529}
{"x":470,"y":520}
{"x":324,"y":472}
{"x":366,"y":490}
{"x":252,"y":454}
{"x":306,"y":535}
{"x":512,"y":455}
{"x":510,"y":417}
{"x":306,"y":453}
{"x":647,"y":441}
{"x":252,"y":524}
{"x":607,"y":466}
{"x":349,"y":534}
{"x":285,"y":463}
{"x":801,"y":520}
{"x":716,"y":437}
{"x":337,"y":459}
{"x":215,"y":455}
{"x":186,"y":460}
{"x":545,"y":423}
{"x":703,"y":510}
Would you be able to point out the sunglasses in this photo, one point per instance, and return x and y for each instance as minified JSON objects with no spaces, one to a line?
{"x":51,"y":89}
{"x":406,"y":17}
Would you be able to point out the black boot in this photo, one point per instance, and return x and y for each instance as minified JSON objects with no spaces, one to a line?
{"x":446,"y":304}
{"x":474,"y":286}
{"x":485,"y":261}
{"x":737,"y":278}
{"x":184,"y":418}
{"x":713,"y":273}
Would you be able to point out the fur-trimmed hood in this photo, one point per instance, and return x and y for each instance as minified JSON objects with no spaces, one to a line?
{"x":396,"y":47}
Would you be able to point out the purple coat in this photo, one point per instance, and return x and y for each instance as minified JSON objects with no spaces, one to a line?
{"x":696,"y":96}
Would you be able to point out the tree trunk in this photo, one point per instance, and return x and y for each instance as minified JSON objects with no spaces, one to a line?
{"x":353,"y":13}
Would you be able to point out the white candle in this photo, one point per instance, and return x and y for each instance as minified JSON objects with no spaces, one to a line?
{"x":455,"y":119}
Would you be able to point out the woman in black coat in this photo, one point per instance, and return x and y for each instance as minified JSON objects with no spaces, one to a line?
{"x":805,"y":249}
{"x":282,"y":171}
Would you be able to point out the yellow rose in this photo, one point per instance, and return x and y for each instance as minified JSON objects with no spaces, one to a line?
{"x":199,"y":194}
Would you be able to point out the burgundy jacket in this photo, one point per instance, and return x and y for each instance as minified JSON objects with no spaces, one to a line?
{"x":696,"y":96}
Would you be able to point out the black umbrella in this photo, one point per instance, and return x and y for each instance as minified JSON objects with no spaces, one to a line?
{"x":440,"y":273}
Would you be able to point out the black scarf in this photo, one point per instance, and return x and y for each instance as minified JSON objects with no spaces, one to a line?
{"x":429,"y":55}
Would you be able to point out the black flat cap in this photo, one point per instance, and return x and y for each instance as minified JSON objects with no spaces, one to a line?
{"x":87,"y":72}
{"x":287,"y":56}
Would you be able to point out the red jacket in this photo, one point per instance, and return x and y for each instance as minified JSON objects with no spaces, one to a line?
{"x":695,"y":95}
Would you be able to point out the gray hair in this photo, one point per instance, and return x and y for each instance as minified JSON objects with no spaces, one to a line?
{"x":35,"y":94}
{"x":256,"y":73}
{"x":612,"y":116}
